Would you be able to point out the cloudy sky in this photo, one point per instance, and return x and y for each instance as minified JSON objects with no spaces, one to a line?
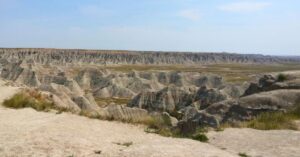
{"x":242,"y":26}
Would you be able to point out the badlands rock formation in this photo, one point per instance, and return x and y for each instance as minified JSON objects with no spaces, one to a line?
{"x":50,"y":134}
{"x":77,"y":80}
{"x":281,"y":98}
{"x":61,"y":56}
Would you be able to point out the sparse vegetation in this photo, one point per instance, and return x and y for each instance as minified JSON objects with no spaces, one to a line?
{"x":200,"y":137}
{"x":32,"y":99}
{"x":159,"y":126}
{"x":231,"y":72}
{"x":126,"y":144}
{"x":270,"y":121}
{"x":243,"y":155}
{"x":97,"y":151}
{"x":106,"y":101}
{"x":281,"y":78}
{"x":275,"y":120}
{"x":92,"y":115}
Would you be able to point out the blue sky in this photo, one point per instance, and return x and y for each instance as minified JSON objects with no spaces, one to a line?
{"x":243,"y":26}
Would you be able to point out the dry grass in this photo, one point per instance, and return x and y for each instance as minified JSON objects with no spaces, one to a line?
{"x":92,"y":115}
{"x":270,"y":121}
{"x":32,"y":99}
{"x":106,"y":101}
{"x":231,"y":72}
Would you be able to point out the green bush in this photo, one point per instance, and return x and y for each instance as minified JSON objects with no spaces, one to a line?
{"x":200,"y":137}
{"x":281,"y":78}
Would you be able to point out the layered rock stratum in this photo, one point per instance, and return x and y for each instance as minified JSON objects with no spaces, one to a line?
{"x":64,"y":56}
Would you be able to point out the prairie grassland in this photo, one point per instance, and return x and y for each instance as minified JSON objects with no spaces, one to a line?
{"x":106,"y":101}
{"x":236,"y":73}
{"x":231,"y":72}
{"x":270,"y":121}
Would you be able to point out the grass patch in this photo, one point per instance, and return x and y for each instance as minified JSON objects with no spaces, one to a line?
{"x":272,"y":121}
{"x":156,"y":124}
{"x":32,"y":99}
{"x":275,"y":120}
{"x":269,"y":121}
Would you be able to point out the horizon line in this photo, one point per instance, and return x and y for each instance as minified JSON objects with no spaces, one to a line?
{"x":148,"y":51}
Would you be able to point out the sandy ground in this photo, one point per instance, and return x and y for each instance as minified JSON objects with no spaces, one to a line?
{"x":26,"y":132}
{"x":6,"y":91}
{"x":29,"y":133}
{"x":257,"y":143}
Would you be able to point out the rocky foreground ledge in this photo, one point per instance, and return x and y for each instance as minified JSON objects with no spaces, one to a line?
{"x":26,"y":132}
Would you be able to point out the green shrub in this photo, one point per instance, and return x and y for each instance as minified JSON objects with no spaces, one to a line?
{"x":200,"y":137}
{"x":281,"y":78}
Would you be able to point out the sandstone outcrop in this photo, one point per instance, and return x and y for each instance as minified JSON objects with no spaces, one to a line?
{"x":271,"y":82}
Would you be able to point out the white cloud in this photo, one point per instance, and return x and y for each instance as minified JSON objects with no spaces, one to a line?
{"x":244,"y":6}
{"x":190,"y":14}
